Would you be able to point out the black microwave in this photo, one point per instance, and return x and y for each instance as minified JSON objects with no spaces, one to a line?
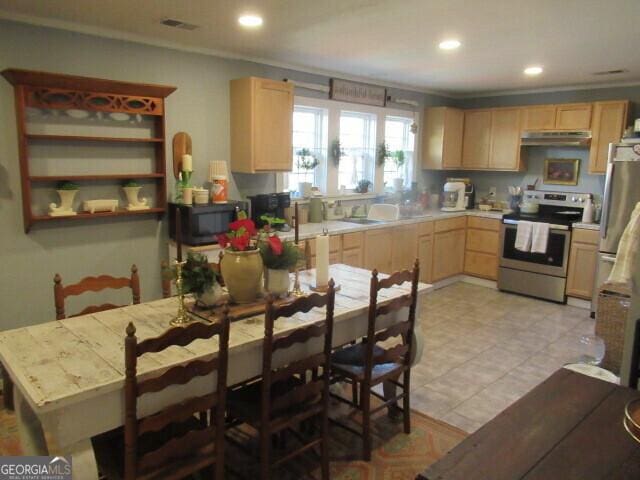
{"x":201,"y":224}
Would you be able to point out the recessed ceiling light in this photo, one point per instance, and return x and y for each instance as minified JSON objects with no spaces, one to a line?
{"x":449,"y":44}
{"x":533,"y":70}
{"x":250,"y":20}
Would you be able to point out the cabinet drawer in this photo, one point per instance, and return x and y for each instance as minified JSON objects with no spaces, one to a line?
{"x":483,"y":241}
{"x":425,"y":228}
{"x":352,"y":240}
{"x":450,"y":224}
{"x":483,"y":223}
{"x":335,"y":257}
{"x":583,"y":235}
{"x":481,"y":265}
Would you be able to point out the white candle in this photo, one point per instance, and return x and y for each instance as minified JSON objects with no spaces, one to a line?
{"x":322,"y":261}
{"x":187,"y":163}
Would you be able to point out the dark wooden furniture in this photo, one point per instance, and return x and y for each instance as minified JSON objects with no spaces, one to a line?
{"x":367,"y":364}
{"x":283,"y":398}
{"x":94,"y":284}
{"x":634,"y":364}
{"x":178,"y":440}
{"x":64,"y":92}
{"x":569,"y":427}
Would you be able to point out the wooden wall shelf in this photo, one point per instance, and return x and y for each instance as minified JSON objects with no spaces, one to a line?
{"x":58,"y":91}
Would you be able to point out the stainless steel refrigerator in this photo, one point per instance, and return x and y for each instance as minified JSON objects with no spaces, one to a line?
{"x":621,"y":194}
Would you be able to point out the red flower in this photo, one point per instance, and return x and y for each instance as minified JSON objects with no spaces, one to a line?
{"x":223,"y":240}
{"x":276,"y":245}
{"x":240,"y":243}
{"x":248,"y":225}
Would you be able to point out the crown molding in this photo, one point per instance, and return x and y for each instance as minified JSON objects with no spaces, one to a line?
{"x":565,"y":88}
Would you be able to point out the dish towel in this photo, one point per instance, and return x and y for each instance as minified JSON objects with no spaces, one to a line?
{"x":523,"y":236}
{"x":623,"y":268}
{"x":539,"y":237}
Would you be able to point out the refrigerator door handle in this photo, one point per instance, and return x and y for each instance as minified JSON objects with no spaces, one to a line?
{"x":607,"y":195}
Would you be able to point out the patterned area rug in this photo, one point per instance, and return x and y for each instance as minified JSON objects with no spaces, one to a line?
{"x":396,"y":456}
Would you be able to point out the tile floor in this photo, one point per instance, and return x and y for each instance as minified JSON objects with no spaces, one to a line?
{"x":484,"y":349}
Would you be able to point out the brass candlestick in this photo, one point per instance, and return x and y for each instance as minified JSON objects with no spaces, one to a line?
{"x":181,"y":319}
{"x":297,"y":291}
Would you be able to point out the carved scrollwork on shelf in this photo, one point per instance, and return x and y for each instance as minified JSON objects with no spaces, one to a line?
{"x":106,"y":102}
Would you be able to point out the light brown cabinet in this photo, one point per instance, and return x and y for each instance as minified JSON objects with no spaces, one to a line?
{"x":566,"y":116}
{"x":405,"y":247}
{"x":583,"y":258}
{"x":609,"y":122}
{"x":448,"y":251}
{"x":425,"y":256}
{"x":335,"y":249}
{"x":442,"y":138}
{"x":504,"y":153}
{"x":377,"y":249}
{"x":539,"y":117}
{"x":352,"y":247}
{"x":261,"y":114}
{"x":482,"y":247}
{"x":476,"y":139}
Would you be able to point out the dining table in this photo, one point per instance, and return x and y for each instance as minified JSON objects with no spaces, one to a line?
{"x":570,"y":427}
{"x":69,"y":374}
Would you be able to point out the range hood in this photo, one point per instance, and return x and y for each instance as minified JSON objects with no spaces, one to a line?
{"x":556,"y":138}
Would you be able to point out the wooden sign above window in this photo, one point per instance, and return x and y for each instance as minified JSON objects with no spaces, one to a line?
{"x":355,"y":92}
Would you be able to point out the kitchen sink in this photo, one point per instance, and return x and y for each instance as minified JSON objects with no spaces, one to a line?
{"x":362,"y":221}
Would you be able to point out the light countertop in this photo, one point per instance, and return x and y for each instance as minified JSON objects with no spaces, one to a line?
{"x":587,"y":226}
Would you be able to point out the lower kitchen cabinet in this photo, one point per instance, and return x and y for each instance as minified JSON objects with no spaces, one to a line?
{"x":352,"y":244}
{"x":425,"y":255}
{"x":481,"y":265}
{"x":405,"y":247}
{"x":448,"y":254}
{"x":482,"y":247}
{"x":352,"y":257}
{"x":377,"y":250}
{"x":583,"y":258}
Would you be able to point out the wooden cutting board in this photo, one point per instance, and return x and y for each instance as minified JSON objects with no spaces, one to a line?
{"x":181,"y":146}
{"x":236,"y":311}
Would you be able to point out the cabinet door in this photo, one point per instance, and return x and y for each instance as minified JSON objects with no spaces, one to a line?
{"x":573,"y":116}
{"x":452,"y":141}
{"x":441,"y":256}
{"x":609,"y":122}
{"x":377,"y":250}
{"x":542,"y":117}
{"x":273,"y":125}
{"x":582,"y":270}
{"x":483,"y":241}
{"x":425,"y":255}
{"x":457,"y":249}
{"x":405,"y":247}
{"x":505,"y":139}
{"x":481,"y":265}
{"x":476,"y":139}
{"x":352,"y":257}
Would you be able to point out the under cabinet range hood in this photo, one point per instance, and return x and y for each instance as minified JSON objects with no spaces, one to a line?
{"x":556,"y":138}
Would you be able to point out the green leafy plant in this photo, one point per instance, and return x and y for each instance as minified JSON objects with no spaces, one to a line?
{"x":272,"y":221}
{"x":382,"y":153}
{"x":197,"y":275}
{"x":336,"y":152}
{"x":130,"y":183}
{"x":67,"y":185}
{"x":398,"y":158}
{"x":363,"y":186}
{"x":306,"y":159}
{"x":279,"y":255}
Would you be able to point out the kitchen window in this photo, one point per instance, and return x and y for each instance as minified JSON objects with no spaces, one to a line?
{"x":310,"y":140}
{"x":358,"y":142}
{"x":400,"y":141}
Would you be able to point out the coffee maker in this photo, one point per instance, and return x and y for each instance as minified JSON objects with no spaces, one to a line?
{"x":270,"y":205}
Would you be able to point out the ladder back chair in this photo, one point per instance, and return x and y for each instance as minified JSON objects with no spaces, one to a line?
{"x":286,"y":398}
{"x":178,"y":440}
{"x":94,"y":284}
{"x":368,"y":364}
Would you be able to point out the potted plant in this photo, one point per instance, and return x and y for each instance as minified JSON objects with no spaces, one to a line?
{"x":363,"y":186}
{"x":199,"y":278}
{"x":336,"y":152}
{"x":306,"y":161}
{"x":67,"y":192}
{"x":278,"y":258}
{"x":382,"y":153}
{"x":241,"y":265}
{"x":399,"y":159}
{"x":131,"y":189}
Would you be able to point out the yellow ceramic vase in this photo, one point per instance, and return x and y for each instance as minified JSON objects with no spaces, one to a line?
{"x":242,"y":274}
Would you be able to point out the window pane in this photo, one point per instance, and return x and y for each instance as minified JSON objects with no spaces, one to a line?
{"x":310,"y":133}
{"x":357,"y":138}
{"x":400,"y":142}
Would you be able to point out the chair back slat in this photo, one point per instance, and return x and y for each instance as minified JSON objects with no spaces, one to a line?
{"x":394,"y":305}
{"x":179,"y":336}
{"x":397,"y":278}
{"x":297,"y":396}
{"x":96,"y":308}
{"x":301,"y":305}
{"x":177,"y":413}
{"x":177,"y":376}
{"x":298,"y":368}
{"x":177,"y":447}
{"x":392,"y":354}
{"x":301,"y":335}
{"x":94,"y":284}
{"x":394,"y":330}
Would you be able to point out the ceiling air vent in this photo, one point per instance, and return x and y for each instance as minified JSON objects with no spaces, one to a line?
{"x":612,"y":72}
{"x":170,"y":22}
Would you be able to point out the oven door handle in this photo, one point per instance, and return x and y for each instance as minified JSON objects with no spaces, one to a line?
{"x":509,"y":221}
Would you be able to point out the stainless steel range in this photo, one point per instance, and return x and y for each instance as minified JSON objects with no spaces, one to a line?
{"x":541,"y":275}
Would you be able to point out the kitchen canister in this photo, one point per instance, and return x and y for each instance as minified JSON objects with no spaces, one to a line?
{"x":315,"y":210}
{"x":219,"y":189}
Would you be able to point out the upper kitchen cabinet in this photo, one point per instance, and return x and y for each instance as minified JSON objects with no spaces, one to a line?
{"x":609,"y":122}
{"x":566,"y":116}
{"x":505,"y":139}
{"x":476,"y":139}
{"x":261,"y":112}
{"x":442,"y":138}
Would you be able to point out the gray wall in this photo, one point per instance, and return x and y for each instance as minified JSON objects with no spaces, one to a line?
{"x":76,"y":249}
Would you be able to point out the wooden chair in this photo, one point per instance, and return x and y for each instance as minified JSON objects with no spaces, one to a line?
{"x":94,"y":284}
{"x":177,"y":441}
{"x":634,"y":363}
{"x":367,"y":364}
{"x":282,"y":400}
